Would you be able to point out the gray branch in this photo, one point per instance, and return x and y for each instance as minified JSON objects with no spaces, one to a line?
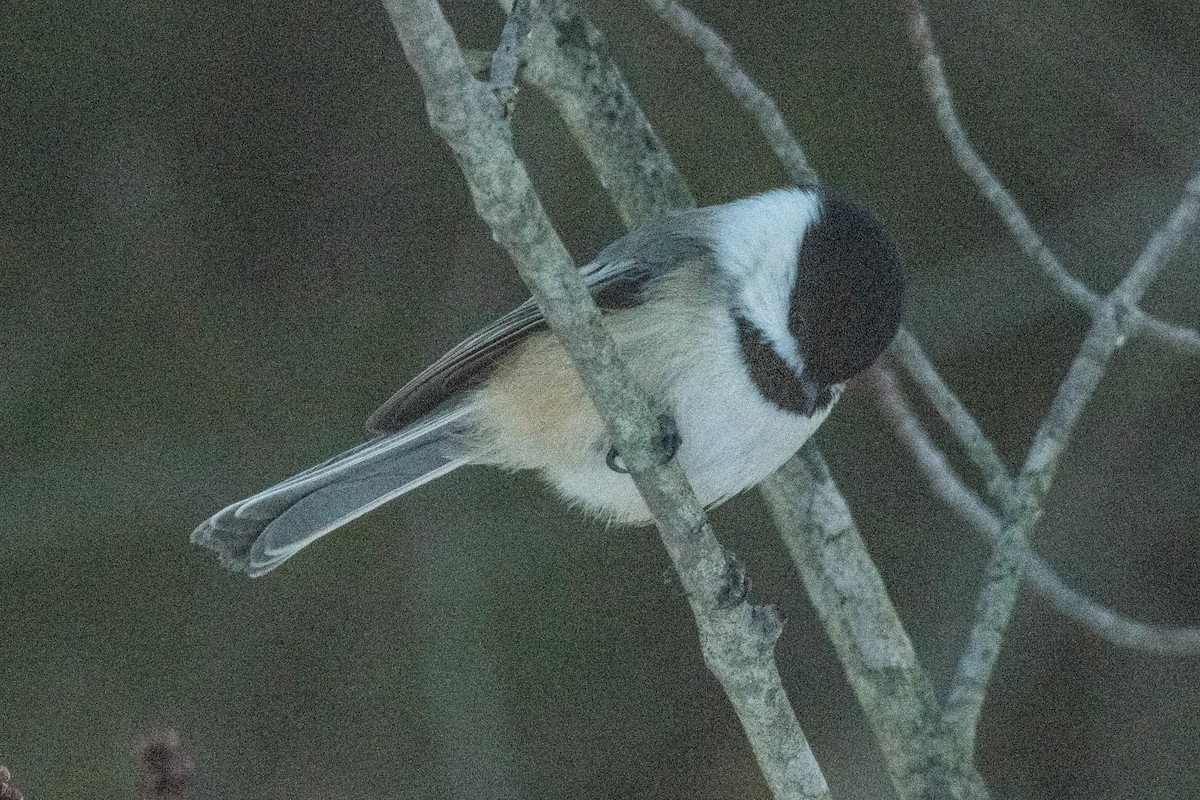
{"x":506,"y":59}
{"x":978,"y":446}
{"x":841,"y":580}
{"x":737,"y":638}
{"x":937,"y":87}
{"x":1112,"y":324}
{"x":568,"y":60}
{"x":719,"y":57}
{"x":1101,"y":620}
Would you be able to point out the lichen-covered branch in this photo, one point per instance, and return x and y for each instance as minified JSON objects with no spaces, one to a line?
{"x":736,"y":637}
{"x":568,"y":60}
{"x":506,"y":59}
{"x":841,"y":580}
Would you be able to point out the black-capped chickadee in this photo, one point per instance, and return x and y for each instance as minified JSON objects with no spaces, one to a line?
{"x":743,"y":320}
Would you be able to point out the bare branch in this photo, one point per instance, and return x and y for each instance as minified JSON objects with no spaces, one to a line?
{"x":1109,"y":624}
{"x":994,"y":608}
{"x":1106,"y":623}
{"x":1163,"y":245}
{"x":719,"y":57}
{"x":930,"y":458}
{"x":1185,"y":340}
{"x":1111,"y":325}
{"x":737,"y":638}
{"x":845,"y":588}
{"x":937,"y":87}
{"x":974,"y":441}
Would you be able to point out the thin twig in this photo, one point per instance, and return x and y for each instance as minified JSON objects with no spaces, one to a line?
{"x":997,"y":599}
{"x":719,"y":57}
{"x":1111,"y":325}
{"x":1163,"y":245}
{"x":937,"y":87}
{"x":737,"y":638}
{"x":1185,"y":340}
{"x":975,"y":442}
{"x":1106,"y":623}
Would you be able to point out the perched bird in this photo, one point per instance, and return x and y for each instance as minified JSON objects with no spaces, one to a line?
{"x":743,"y":320}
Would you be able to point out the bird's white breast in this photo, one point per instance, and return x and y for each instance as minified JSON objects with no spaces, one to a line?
{"x":731,"y":437}
{"x":682,"y":348}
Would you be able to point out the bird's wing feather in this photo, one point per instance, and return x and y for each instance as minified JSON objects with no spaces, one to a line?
{"x":616,"y":279}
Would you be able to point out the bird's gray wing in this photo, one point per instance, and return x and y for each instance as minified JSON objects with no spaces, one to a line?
{"x":467,"y":364}
{"x":618,"y":278}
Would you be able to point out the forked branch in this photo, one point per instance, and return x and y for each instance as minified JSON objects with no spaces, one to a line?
{"x":736,"y":637}
{"x":937,"y":87}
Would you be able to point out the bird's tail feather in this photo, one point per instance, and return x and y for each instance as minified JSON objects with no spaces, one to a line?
{"x":259,"y":533}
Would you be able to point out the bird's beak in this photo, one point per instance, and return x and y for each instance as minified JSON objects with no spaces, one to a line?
{"x":815,"y":392}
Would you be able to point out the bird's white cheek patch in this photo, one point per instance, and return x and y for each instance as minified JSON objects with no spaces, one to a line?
{"x":757,"y":242}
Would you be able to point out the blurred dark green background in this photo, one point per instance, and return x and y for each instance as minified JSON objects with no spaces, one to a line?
{"x":227,"y":235}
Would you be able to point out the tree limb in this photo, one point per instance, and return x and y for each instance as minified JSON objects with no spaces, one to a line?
{"x":1111,"y":626}
{"x":896,"y":695}
{"x":937,"y":87}
{"x":568,"y":60}
{"x":1112,"y":324}
{"x":737,"y":638}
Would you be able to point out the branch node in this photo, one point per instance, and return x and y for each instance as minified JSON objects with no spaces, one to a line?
{"x":768,"y":621}
{"x":506,"y":61}
{"x":736,"y":584}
